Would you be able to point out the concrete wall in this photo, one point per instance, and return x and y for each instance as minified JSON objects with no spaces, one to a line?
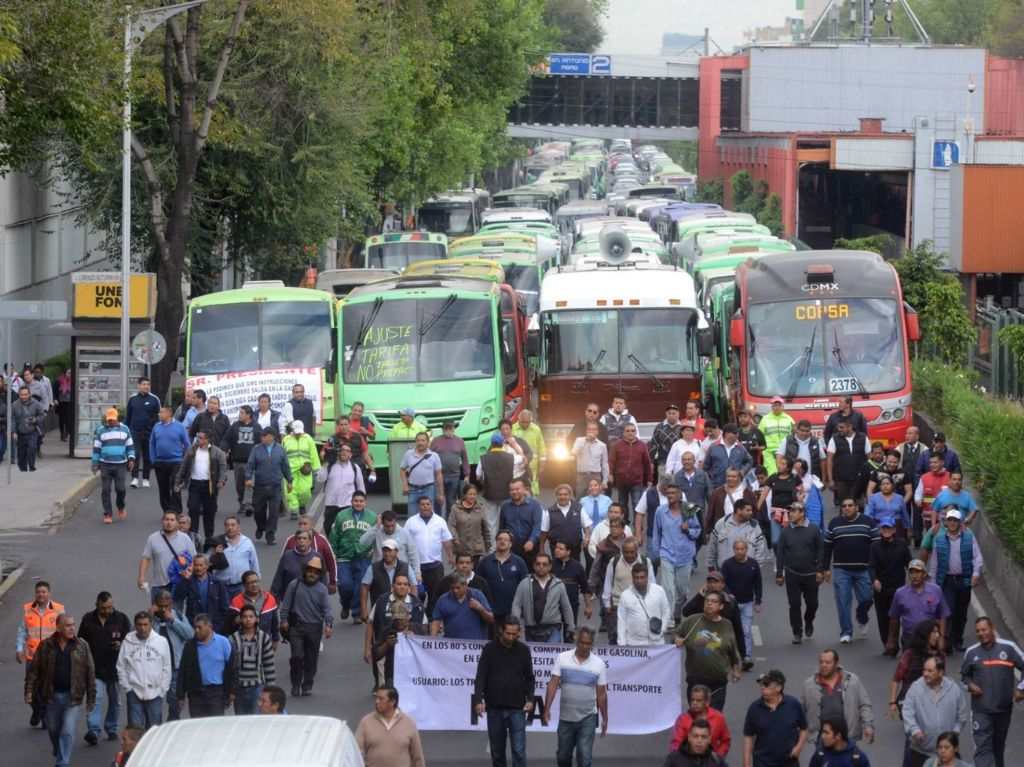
{"x":830,"y":88}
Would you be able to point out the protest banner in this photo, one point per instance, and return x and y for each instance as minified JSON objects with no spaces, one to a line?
{"x":237,"y":389}
{"x":434,"y":678}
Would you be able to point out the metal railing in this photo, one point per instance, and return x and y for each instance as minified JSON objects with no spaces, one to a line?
{"x":993,"y":359}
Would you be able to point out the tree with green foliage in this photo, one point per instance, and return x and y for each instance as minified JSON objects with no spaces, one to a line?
{"x":1007,"y":28}
{"x":711,"y":191}
{"x":876,"y":243}
{"x":954,"y":22}
{"x":946,"y":328}
{"x":920,"y":267}
{"x":771,"y":215}
{"x":576,"y":23}
{"x":1013,"y":337}
{"x":683,"y":153}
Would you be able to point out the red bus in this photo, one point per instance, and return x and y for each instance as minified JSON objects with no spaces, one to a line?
{"x":815,"y":326}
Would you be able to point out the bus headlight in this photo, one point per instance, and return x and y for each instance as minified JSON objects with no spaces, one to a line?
{"x":887,"y":415}
{"x":560,"y":452}
{"x":898,"y":413}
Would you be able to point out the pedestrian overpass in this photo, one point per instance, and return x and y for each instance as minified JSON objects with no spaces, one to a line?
{"x":599,"y":96}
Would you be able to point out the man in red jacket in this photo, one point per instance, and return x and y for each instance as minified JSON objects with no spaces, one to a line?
{"x":700,"y":708}
{"x":321,"y":547}
{"x":631,"y":469}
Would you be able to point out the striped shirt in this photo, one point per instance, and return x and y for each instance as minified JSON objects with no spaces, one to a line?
{"x":113,"y":444}
{"x":848,"y":542}
{"x":578,"y":681}
{"x":254,"y":659}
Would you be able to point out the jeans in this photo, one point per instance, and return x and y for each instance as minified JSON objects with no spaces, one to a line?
{"x":747,"y":621}
{"x":776,"y":533}
{"x":675,"y":579}
{"x":173,"y":709}
{"x":108,"y":698}
{"x":579,"y":736}
{"x":28,"y":446}
{"x":958,"y":599}
{"x":798,"y":586}
{"x":114,"y":474}
{"x":247,"y":700}
{"x":62,"y":723}
{"x":208,"y":700}
{"x":169,"y":497}
{"x":144,"y":713}
{"x":421,"y":491}
{"x":452,"y":488}
{"x":504,"y":724}
{"x":304,"y":640}
{"x":847,"y":584}
{"x":143,"y":464}
{"x":202,"y":505}
{"x":350,"y":575}
{"x":265,"y":501}
{"x":629,"y":497}
{"x":990,"y":731}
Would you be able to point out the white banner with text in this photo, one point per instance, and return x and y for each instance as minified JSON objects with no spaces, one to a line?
{"x":237,"y":389}
{"x":434,"y":678}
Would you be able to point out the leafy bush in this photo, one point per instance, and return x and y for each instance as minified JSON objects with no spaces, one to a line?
{"x":711,"y":191}
{"x":876,"y":243}
{"x":771,"y":215}
{"x":977,"y":423}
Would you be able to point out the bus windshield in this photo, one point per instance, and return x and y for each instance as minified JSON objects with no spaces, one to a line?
{"x":398,"y":255}
{"x":411,"y":340}
{"x":453,"y":218}
{"x":627,"y":341}
{"x":525,"y":280}
{"x":233,"y":338}
{"x":825,"y":347}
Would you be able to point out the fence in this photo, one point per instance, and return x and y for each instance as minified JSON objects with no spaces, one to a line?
{"x":993,"y":359}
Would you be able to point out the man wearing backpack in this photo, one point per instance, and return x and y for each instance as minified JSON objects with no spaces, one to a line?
{"x":168,"y":553}
{"x":615,"y":578}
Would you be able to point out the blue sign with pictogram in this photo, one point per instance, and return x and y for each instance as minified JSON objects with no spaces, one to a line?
{"x":945,"y":154}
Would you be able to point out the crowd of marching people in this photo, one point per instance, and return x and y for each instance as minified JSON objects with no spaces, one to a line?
{"x":670,"y":540}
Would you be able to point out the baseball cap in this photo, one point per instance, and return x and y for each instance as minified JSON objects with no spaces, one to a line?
{"x":409,"y":411}
{"x":298,"y":427}
{"x":314,"y":564}
{"x":917,"y":564}
{"x":714,"y":575}
{"x":773,"y":676}
{"x":778,"y":399}
{"x":887,"y":522}
{"x":672,"y":406}
{"x":112,"y":413}
{"x":954,"y":514}
{"x":939,"y":437}
{"x":390,"y":543}
{"x":497,"y":439}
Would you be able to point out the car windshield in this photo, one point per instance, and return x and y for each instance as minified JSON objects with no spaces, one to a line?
{"x":410,"y":340}
{"x":232,"y":338}
{"x":629,"y":341}
{"x":524,"y":280}
{"x":398,"y":255}
{"x":825,"y":347}
{"x":447,"y":218}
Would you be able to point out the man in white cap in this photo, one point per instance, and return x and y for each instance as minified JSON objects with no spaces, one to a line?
{"x":954,"y":564}
{"x":408,"y":426}
{"x":304,"y":461}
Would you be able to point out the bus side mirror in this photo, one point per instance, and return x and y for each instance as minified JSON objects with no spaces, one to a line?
{"x":913,"y":324}
{"x":705,"y":342}
{"x":736,"y":332}
{"x":533,"y":343}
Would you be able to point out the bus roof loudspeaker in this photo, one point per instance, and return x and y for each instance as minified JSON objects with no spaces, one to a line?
{"x":615,"y":245}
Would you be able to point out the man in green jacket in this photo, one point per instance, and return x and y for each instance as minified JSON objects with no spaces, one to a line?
{"x":352,"y":557}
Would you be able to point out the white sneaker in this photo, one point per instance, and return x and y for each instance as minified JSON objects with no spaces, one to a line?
{"x":145,"y":483}
{"x":845,"y":639}
{"x":862,"y":631}
{"x":134,"y":482}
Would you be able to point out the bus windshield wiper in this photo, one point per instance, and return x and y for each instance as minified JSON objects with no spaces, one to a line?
{"x":585,"y":381}
{"x":429,"y":324}
{"x":364,"y":327}
{"x":837,"y":353}
{"x":658,"y":385}
{"x":805,"y":364}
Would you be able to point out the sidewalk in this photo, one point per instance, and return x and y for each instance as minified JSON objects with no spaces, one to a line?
{"x":47,"y":496}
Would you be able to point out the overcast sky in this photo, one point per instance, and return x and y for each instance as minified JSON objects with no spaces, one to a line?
{"x":636,"y":26}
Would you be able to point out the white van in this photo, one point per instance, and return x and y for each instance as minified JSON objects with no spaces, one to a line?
{"x":249,"y":741}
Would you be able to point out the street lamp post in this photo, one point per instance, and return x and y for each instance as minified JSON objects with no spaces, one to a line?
{"x":136,"y":27}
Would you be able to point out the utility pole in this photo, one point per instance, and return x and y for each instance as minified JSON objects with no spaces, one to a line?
{"x":707,"y":41}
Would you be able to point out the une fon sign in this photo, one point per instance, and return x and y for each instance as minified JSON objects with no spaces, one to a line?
{"x":97,"y":295}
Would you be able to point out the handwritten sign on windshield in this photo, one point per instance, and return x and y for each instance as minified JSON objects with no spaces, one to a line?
{"x":384,"y":355}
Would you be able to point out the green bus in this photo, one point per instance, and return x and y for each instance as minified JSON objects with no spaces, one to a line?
{"x":449,"y":345}
{"x":263,"y":337}
{"x":720,"y":303}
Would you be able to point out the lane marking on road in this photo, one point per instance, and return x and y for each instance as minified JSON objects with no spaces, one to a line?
{"x":755,"y":634}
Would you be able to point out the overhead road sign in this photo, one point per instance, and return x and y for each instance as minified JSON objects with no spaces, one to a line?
{"x":579,"y":64}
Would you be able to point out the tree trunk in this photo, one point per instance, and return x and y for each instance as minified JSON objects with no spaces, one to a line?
{"x":168,"y":321}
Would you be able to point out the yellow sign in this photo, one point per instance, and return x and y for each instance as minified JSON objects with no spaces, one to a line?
{"x":817,"y":311}
{"x":97,"y":295}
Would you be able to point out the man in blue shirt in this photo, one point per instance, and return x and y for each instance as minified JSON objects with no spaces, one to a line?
{"x":502,"y":570}
{"x":674,"y":542}
{"x":463,"y":613}
{"x":955,"y":497}
{"x":206,"y":675}
{"x":140,"y":416}
{"x":522,"y":515}
{"x":775,"y":730}
{"x":168,"y":443}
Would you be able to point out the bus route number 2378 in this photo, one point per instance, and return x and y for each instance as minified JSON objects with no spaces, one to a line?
{"x":842,"y":385}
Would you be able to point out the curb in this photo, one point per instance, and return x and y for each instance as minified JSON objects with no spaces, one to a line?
{"x":11,"y":580}
{"x":64,"y":508}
